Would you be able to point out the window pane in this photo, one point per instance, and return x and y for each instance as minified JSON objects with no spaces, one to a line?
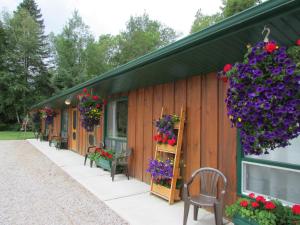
{"x":275,"y":182}
{"x":110,"y":119}
{"x":121,"y":118}
{"x":289,"y":154}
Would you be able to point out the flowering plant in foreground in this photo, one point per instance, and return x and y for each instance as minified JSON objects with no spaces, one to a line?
{"x":264,"y":212}
{"x":48,"y":114}
{"x":263,"y":98}
{"x":90,"y":107}
{"x":165,"y":128}
{"x":161,"y":171}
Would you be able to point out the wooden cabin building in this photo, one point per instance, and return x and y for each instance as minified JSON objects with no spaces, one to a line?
{"x":183,"y":74}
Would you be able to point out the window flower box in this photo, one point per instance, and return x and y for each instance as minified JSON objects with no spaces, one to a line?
{"x":103,"y":163}
{"x":238,"y":220}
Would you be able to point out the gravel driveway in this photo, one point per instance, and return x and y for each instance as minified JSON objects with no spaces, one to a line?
{"x":33,"y":190}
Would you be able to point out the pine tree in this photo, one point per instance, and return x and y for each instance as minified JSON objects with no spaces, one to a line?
{"x":42,"y":77}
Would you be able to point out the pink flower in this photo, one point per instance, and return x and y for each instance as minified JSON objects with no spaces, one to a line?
{"x":251,"y":195}
{"x":298,"y":42}
{"x":84,"y":90}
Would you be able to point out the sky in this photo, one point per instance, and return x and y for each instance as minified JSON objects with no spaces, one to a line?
{"x":109,"y":17}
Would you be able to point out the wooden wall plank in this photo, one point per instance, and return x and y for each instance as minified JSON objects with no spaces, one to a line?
{"x":193,"y":128}
{"x":180,"y":101}
{"x":139,"y":151}
{"x":227,"y":147}
{"x":131,"y":136}
{"x":168,"y":98}
{"x":148,"y":129}
{"x":157,"y":106}
{"x":209,"y":121}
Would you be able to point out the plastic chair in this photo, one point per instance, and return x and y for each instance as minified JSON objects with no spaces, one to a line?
{"x":121,"y":159}
{"x":209,"y":179}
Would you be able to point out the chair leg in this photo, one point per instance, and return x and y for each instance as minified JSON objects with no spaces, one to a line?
{"x":113,"y":170}
{"x":85,"y":158}
{"x":127,"y":172}
{"x":186,"y":211}
{"x":218,"y":214}
{"x":196,"y":209}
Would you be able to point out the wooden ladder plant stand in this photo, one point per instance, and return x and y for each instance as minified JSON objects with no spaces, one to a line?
{"x":171,"y":194}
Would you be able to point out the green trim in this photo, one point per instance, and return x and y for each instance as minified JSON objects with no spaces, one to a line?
{"x":239,"y":163}
{"x":272,"y":163}
{"x":217,"y":32}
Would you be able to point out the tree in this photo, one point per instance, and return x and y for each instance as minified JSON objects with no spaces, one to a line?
{"x":231,"y":7}
{"x":19,"y":77}
{"x":70,"y":55}
{"x":203,"y":21}
{"x":100,"y":55}
{"x":142,"y":35}
{"x":42,"y":80}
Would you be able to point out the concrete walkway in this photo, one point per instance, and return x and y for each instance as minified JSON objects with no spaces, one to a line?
{"x":129,"y":199}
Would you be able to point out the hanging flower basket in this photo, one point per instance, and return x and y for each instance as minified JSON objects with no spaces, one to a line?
{"x":263,"y":98}
{"x":91,"y":109}
{"x":48,"y":115}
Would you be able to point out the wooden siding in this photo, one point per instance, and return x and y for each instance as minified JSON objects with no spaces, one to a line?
{"x":208,"y":138}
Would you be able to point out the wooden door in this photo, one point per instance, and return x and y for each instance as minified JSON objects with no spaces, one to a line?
{"x":74,"y":135}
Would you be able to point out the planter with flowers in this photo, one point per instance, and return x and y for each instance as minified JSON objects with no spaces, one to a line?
{"x":91,"y":109}
{"x":166,"y":136}
{"x":161,"y":173}
{"x":48,"y":115}
{"x":256,"y":210}
{"x":104,"y":158}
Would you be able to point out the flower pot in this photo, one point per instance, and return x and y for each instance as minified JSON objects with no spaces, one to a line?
{"x":104,"y":164}
{"x":164,"y":192}
{"x":238,"y":220}
{"x":167,"y":148}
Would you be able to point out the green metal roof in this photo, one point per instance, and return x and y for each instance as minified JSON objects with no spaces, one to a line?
{"x":200,"y":53}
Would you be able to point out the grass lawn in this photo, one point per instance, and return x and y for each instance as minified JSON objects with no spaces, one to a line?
{"x":15,"y":135}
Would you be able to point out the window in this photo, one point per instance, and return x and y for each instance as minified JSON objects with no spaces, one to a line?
{"x":274,"y":175}
{"x":117,"y":114}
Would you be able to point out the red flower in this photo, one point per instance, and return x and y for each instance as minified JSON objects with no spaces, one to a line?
{"x":172,"y":142}
{"x":224,"y":79}
{"x":296,"y":209}
{"x":254,"y":204}
{"x":227,"y":67}
{"x":95,"y":97}
{"x":251,"y":195}
{"x":270,"y":205}
{"x":84,"y":90}
{"x":260,"y":199}
{"x":298,"y":42}
{"x":165,"y":139}
{"x":270,"y":47}
{"x":98,"y":106}
{"x":244,"y":203}
{"x":104,"y":102}
{"x":88,"y":95}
